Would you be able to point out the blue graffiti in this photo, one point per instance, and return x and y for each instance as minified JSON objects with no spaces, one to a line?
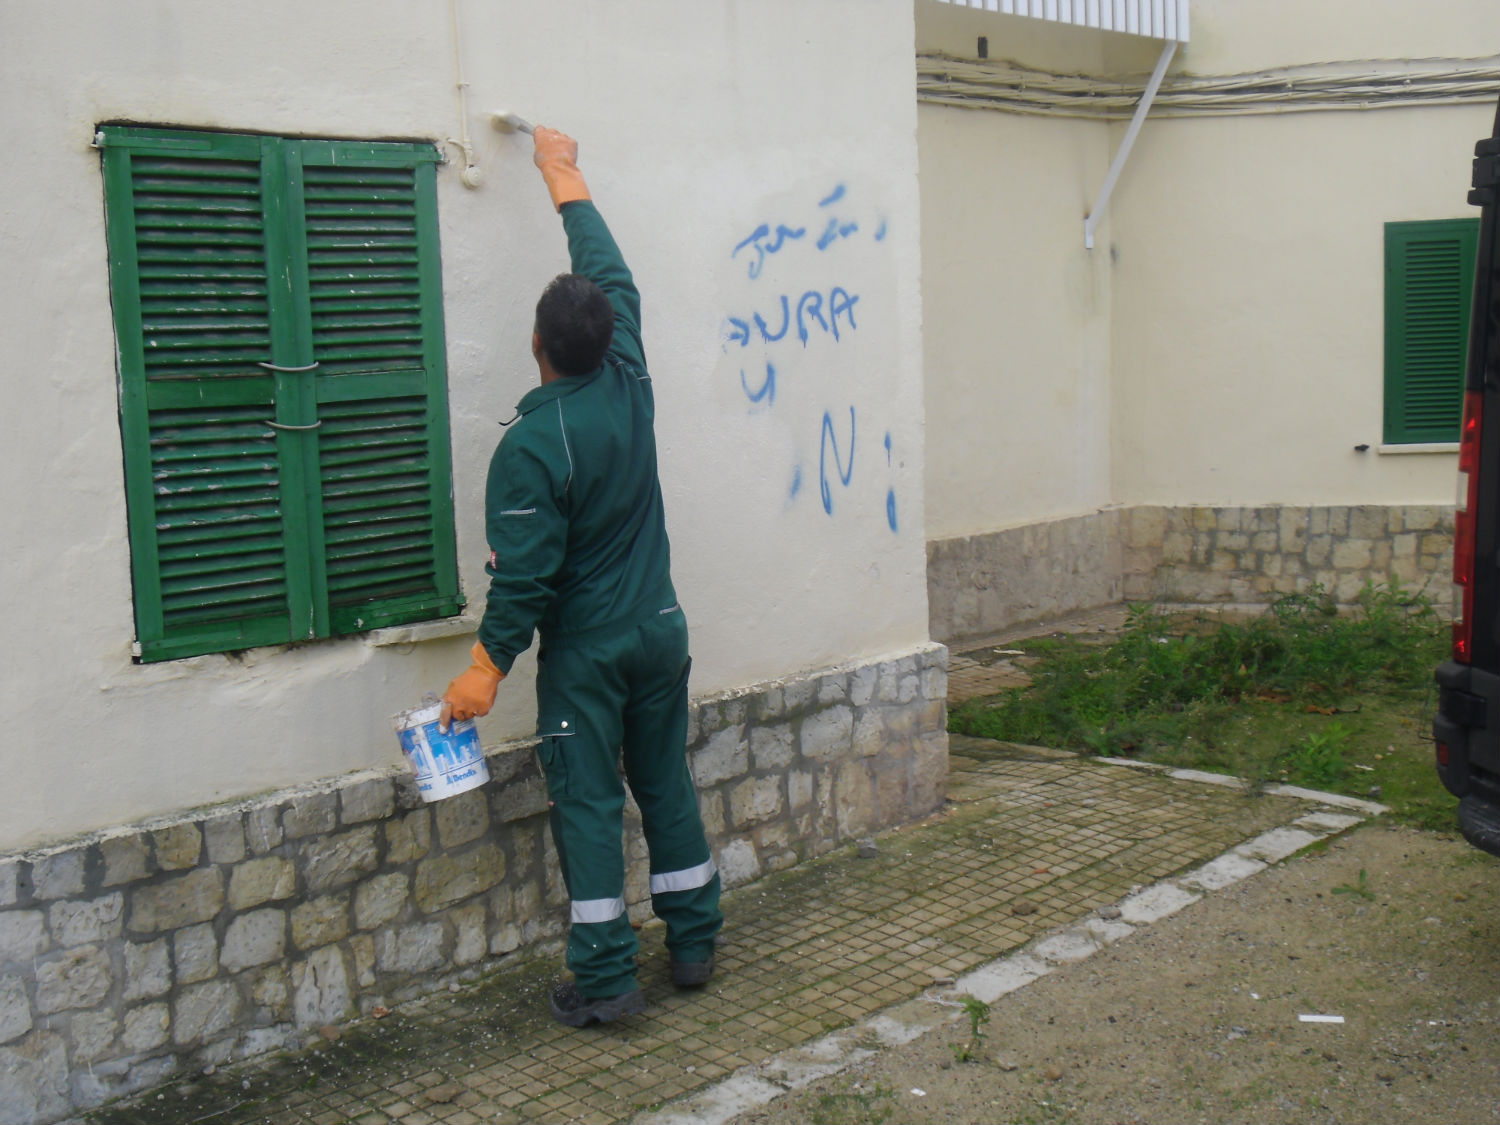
{"x":834,"y":231}
{"x":765,"y":240}
{"x":811,"y":308}
{"x":824,"y":311}
{"x":762,"y":248}
{"x":810,"y":302}
{"x":890,"y":494}
{"x":840,"y":301}
{"x":767,"y":390}
{"x":785,"y":324}
{"x":845,"y":473}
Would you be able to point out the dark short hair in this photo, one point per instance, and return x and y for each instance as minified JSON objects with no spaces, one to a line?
{"x":575,"y":321}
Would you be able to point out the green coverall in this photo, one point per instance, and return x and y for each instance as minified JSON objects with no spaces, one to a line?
{"x":578,"y":552}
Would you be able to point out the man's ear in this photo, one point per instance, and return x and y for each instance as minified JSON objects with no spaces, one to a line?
{"x":536,"y":344}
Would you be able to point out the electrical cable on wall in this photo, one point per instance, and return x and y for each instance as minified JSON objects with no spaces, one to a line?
{"x":1009,"y":87}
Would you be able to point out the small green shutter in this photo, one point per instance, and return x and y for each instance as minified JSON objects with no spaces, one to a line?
{"x":1429,"y":283}
{"x":258,"y":281}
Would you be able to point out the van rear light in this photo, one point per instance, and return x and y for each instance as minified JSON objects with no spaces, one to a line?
{"x":1443,"y":753}
{"x":1463,"y":526}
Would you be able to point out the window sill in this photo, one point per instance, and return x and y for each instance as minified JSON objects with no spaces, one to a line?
{"x":1424,"y":447}
{"x":462,"y":625}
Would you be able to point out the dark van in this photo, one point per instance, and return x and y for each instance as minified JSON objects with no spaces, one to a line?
{"x":1466,"y":730}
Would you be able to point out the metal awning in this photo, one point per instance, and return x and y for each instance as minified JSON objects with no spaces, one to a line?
{"x":1155,"y":19}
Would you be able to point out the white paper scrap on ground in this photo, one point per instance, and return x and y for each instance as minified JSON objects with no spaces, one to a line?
{"x":1305,"y":1018}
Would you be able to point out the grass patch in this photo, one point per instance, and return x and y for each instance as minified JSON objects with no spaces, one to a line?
{"x":1300,"y":693}
{"x":854,"y":1106}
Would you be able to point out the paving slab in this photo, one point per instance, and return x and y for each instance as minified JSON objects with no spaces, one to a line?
{"x":820,"y":964}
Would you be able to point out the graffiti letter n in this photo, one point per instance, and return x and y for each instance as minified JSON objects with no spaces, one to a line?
{"x":845,"y":472}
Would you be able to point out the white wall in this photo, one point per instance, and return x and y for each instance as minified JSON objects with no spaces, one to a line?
{"x":1232,"y":37}
{"x":1222,"y":344}
{"x":1016,"y":312}
{"x":1249,"y":315}
{"x":697,"y":122}
{"x":1249,"y":286}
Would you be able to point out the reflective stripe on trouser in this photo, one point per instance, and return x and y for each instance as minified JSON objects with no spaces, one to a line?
{"x":597,"y":909}
{"x":628,"y":693}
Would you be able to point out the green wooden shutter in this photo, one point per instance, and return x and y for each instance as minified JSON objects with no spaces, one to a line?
{"x":237,"y":263}
{"x":1429,"y":283}
{"x":192,"y":308}
{"x":376,"y":312}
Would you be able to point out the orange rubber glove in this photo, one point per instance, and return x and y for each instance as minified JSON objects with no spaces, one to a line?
{"x":556,"y":154}
{"x":472,"y":691}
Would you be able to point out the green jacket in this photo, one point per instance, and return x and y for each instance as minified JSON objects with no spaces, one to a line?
{"x":573,"y":509}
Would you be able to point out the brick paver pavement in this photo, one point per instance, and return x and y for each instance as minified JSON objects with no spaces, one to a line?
{"x":1030,"y":841}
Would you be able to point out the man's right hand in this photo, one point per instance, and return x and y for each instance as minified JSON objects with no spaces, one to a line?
{"x":556,"y":154}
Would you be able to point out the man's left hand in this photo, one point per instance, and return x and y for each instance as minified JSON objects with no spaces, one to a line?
{"x":472,"y":691}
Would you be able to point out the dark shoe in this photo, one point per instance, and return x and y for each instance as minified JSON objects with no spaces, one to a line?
{"x":571,"y":1007}
{"x":692,"y":974}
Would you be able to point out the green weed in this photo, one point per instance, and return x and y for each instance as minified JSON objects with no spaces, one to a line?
{"x":979,"y":1015}
{"x":1359,"y":890}
{"x":1254,"y":698}
{"x":1318,"y":760}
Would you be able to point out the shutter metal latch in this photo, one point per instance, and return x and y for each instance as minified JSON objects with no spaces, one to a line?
{"x":284,"y":426}
{"x":274,"y":367}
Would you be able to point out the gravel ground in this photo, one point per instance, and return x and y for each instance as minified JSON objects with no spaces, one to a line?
{"x":1197,"y":1018}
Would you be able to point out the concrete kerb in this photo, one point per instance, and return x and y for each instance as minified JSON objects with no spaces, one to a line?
{"x":798,"y":1067}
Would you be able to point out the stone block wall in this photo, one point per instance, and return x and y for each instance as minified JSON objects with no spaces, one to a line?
{"x":134,"y":954}
{"x":789,"y":771}
{"x":983,"y":584}
{"x":1253,"y":555}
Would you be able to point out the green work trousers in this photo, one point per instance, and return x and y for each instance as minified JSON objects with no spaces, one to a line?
{"x":601,"y":701}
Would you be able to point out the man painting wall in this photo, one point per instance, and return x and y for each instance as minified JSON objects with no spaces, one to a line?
{"x":579,"y":554}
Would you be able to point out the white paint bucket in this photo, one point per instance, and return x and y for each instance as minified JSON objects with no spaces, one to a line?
{"x":445,"y":764}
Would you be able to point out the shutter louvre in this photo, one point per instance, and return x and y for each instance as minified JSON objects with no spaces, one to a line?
{"x":201,"y":263}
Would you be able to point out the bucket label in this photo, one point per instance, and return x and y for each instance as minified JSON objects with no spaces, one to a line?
{"x":444,"y":763}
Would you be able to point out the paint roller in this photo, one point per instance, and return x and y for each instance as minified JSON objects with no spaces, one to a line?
{"x":507,"y":122}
